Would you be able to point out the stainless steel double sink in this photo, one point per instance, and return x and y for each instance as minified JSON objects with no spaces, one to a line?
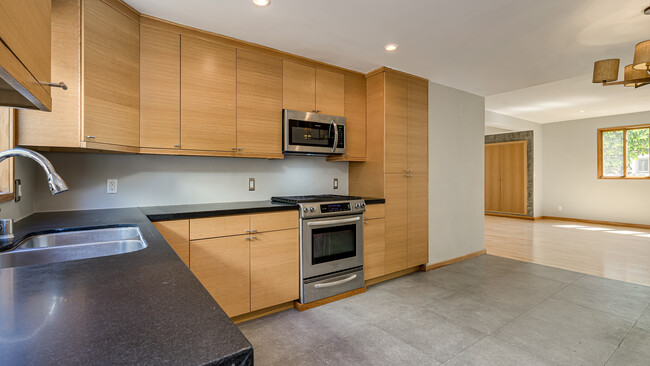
{"x":73,"y":245}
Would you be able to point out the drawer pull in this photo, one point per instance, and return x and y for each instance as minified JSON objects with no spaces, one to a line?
{"x":55,"y":85}
{"x":335,"y":283}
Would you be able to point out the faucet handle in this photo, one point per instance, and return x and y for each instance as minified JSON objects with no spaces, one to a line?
{"x":6,"y":229}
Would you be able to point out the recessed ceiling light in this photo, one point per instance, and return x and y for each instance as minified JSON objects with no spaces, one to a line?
{"x":262,"y":2}
{"x":391,"y":47}
{"x":581,"y":111}
{"x":647,"y":11}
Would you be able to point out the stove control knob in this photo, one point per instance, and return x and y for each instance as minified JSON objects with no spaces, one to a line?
{"x":357,"y":205}
{"x":305,"y":209}
{"x":312,"y":209}
{"x":363,"y":205}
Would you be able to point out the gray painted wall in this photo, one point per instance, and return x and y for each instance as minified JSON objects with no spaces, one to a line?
{"x":147,"y":180}
{"x":456,"y":188}
{"x":570,"y":174}
{"x":26,"y":171}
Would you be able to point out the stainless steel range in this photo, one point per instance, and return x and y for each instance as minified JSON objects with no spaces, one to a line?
{"x":331,"y":244}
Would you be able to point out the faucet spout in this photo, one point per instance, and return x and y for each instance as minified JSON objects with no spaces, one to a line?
{"x":54,"y":180}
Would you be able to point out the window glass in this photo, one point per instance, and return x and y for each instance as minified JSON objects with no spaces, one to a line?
{"x":638,"y":150}
{"x":613,"y":154}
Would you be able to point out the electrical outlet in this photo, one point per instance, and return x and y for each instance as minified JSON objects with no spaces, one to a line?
{"x":111,"y":186}
{"x":251,"y":184}
{"x":336,"y":183}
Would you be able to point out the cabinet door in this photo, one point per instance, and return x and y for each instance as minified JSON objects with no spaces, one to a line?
{"x":418,"y":219}
{"x":396,"y":123}
{"x":208,"y":95}
{"x":274,"y":268}
{"x":222,"y":266}
{"x":177,"y":234}
{"x":330,"y":95}
{"x":111,"y":76}
{"x":374,"y":248}
{"x":513,"y":178}
{"x":25,"y":29}
{"x":259,"y":103}
{"x":298,"y":87}
{"x":355,"y":116}
{"x":418,"y":121}
{"x":396,"y":222}
{"x":160,"y":88}
{"x":493,"y":177}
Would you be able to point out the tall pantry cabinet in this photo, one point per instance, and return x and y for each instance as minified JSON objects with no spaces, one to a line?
{"x":396,"y":165}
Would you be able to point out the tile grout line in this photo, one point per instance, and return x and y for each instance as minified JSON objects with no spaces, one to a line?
{"x":627,"y":334}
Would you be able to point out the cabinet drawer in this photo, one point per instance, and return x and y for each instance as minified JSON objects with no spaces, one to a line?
{"x":212,"y":227}
{"x":274,"y":221}
{"x":375,"y":211}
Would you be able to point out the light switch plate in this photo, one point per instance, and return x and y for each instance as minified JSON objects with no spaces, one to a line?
{"x":336,"y":183}
{"x":251,"y":184}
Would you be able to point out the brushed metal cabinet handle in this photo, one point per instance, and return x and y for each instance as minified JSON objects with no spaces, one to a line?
{"x":335,"y":283}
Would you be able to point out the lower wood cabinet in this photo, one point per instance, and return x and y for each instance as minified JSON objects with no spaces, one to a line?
{"x":374,"y":248}
{"x":177,"y":235}
{"x":275,"y":262}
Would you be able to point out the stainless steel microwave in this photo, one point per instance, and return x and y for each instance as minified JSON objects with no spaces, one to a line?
{"x":312,"y":133}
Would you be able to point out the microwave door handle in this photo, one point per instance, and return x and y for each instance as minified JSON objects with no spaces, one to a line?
{"x":333,"y":222}
{"x":335,"y":283}
{"x":336,"y":135}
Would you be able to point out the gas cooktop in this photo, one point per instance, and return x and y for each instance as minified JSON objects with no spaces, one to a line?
{"x":314,"y":198}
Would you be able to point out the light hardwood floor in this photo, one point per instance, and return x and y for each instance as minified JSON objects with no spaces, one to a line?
{"x":615,"y":252}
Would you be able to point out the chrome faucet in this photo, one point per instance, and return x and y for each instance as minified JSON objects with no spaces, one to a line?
{"x":54,"y":180}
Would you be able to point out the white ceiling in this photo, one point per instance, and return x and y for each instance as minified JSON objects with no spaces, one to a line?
{"x":483,"y":47}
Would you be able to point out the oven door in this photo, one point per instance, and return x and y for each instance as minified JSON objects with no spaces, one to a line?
{"x":313,"y":133}
{"x":330,"y":245}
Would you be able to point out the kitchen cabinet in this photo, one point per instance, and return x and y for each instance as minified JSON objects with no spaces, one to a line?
{"x":308,"y":89}
{"x":208,"y":95}
{"x":160,"y":88}
{"x":177,"y":234}
{"x":275,"y":264}
{"x":246,"y":262}
{"x":355,"y":119}
{"x":223,"y":267}
{"x":396,"y":163}
{"x":259,"y":103}
{"x":506,"y":177}
{"x":98,"y":56}
{"x":25,"y":54}
{"x":374,"y":246}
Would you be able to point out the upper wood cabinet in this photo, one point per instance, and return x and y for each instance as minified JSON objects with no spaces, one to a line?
{"x":306,"y":88}
{"x":355,"y":119}
{"x":396,"y":122}
{"x":418,"y":126}
{"x":208,"y":95}
{"x":100,"y":62}
{"x":259,"y":103}
{"x":160,"y":88}
{"x":25,"y":54}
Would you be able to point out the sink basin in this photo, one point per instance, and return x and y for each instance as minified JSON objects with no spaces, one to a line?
{"x":73,"y":245}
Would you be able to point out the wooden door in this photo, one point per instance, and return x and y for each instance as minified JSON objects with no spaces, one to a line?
{"x":330,"y":95}
{"x":177,"y":234}
{"x":493,"y":177}
{"x":275,"y":261}
{"x":298,"y":87}
{"x":418,"y":122}
{"x":396,"y":186}
{"x":111,"y":76}
{"x":355,"y":116}
{"x":514,"y":178}
{"x":259,"y":103}
{"x":26,"y":29}
{"x":395,"y":123}
{"x":418,"y":219}
{"x":374,"y":248}
{"x":160,"y":88}
{"x":222,"y":265}
{"x":208,"y":95}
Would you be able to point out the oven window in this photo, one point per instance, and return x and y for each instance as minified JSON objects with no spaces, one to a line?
{"x":333,"y":243}
{"x":309,"y":133}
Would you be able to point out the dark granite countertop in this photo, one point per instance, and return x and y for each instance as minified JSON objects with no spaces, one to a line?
{"x":144,"y":307}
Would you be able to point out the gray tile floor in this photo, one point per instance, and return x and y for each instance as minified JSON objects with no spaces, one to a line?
{"x":484,"y":311}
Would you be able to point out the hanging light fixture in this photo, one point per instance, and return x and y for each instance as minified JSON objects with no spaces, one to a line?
{"x":637,"y":74}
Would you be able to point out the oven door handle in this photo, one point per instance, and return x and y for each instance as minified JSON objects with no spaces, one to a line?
{"x":335,"y":283}
{"x":336,"y":135}
{"x":333,"y":222}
